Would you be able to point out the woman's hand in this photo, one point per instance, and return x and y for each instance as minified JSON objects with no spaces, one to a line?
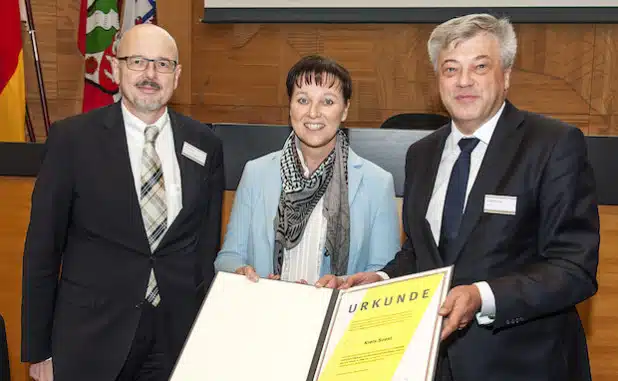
{"x":249,"y":272}
{"x":329,"y":281}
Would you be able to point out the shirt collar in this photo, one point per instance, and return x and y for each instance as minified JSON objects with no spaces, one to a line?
{"x":131,"y":121}
{"x":483,"y":133}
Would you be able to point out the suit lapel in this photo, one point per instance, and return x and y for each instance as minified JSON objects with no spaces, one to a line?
{"x":115,"y":140}
{"x":355,"y":178}
{"x":428,"y":170}
{"x":189,"y":171}
{"x":499,"y":156}
{"x":271,"y":195}
{"x":355,"y":175}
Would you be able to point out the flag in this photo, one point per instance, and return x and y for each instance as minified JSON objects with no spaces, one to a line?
{"x":22,"y":10}
{"x":99,"y":25}
{"x":138,"y":12}
{"x":12,"y":85}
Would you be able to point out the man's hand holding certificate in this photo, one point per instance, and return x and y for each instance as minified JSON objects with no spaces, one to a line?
{"x":274,"y":330}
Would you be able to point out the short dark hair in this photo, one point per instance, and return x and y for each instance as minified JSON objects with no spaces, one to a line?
{"x":321,"y":71}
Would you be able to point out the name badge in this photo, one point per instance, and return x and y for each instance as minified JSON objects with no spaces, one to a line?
{"x":500,"y":204}
{"x":193,"y":153}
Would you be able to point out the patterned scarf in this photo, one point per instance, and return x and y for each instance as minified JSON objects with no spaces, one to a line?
{"x":300,"y":195}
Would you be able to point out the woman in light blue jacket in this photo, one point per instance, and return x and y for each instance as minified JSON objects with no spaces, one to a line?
{"x":314,"y":211}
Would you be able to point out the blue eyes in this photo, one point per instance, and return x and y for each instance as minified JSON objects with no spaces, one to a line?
{"x":452,"y":70}
{"x":304,"y":101}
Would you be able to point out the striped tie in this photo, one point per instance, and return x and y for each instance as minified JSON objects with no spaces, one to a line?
{"x":152,"y":202}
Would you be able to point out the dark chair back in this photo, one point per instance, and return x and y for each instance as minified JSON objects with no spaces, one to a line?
{"x":415,"y":121}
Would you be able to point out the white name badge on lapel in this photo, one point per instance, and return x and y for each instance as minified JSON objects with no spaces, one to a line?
{"x":500,"y":204}
{"x":193,"y":153}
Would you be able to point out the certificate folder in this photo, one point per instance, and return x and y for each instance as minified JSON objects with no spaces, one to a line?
{"x":282,"y":331}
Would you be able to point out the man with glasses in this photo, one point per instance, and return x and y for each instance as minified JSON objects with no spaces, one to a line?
{"x":124,"y":228}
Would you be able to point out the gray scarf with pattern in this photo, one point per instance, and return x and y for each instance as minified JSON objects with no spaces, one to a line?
{"x":300,"y":195}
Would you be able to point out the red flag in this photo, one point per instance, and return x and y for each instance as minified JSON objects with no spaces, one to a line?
{"x":12,"y":86}
{"x":98,"y":30}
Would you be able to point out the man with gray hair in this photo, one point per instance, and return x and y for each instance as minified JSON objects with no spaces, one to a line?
{"x":508,"y":198}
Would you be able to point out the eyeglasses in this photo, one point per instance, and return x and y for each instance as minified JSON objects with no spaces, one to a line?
{"x":139,"y":63}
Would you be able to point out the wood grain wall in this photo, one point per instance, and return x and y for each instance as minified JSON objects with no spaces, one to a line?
{"x":236,"y":73}
{"x":14,"y":192}
{"x":56,"y":23}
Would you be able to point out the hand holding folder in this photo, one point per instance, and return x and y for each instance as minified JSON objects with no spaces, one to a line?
{"x":281,"y":331}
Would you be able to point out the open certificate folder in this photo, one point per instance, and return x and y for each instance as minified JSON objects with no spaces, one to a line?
{"x":281,"y":331}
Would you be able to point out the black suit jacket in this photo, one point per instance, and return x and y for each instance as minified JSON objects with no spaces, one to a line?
{"x":5,"y":371}
{"x":86,"y":219}
{"x":539,"y":263}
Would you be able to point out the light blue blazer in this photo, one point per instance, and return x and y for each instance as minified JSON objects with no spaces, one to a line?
{"x":250,"y":235}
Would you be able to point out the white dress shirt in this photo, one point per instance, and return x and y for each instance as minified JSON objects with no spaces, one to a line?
{"x":436,"y":204}
{"x":164,"y":145}
{"x":304,"y":260}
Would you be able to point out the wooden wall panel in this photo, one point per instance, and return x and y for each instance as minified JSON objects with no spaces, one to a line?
{"x":177,"y":20}
{"x":56,"y":31}
{"x":567,"y":71}
{"x":247,"y":67}
{"x":604,"y":88}
{"x":14,"y":192}
{"x":236,"y":73}
{"x":601,"y":326}
{"x":554,"y":63}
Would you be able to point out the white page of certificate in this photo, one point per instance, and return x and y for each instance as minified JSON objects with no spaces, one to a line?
{"x":267,"y":330}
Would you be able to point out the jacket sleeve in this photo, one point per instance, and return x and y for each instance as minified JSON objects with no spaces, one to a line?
{"x":45,"y":240}
{"x":210,"y":230}
{"x":568,"y":241}
{"x":404,"y":262}
{"x":234,"y":253}
{"x":384,"y":239}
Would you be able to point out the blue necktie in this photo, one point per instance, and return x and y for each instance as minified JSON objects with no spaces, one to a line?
{"x":455,"y":197}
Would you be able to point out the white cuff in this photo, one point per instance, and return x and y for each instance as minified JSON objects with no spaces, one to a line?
{"x":383,"y":275}
{"x":487,"y":315}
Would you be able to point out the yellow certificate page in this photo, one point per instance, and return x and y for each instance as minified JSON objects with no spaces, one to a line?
{"x":387,"y":331}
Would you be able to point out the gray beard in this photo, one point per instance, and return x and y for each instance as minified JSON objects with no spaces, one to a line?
{"x":147,"y":106}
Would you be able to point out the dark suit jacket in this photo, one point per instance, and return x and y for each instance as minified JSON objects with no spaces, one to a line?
{"x":86,"y":218}
{"x":539,"y":263}
{"x":5,"y":370}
